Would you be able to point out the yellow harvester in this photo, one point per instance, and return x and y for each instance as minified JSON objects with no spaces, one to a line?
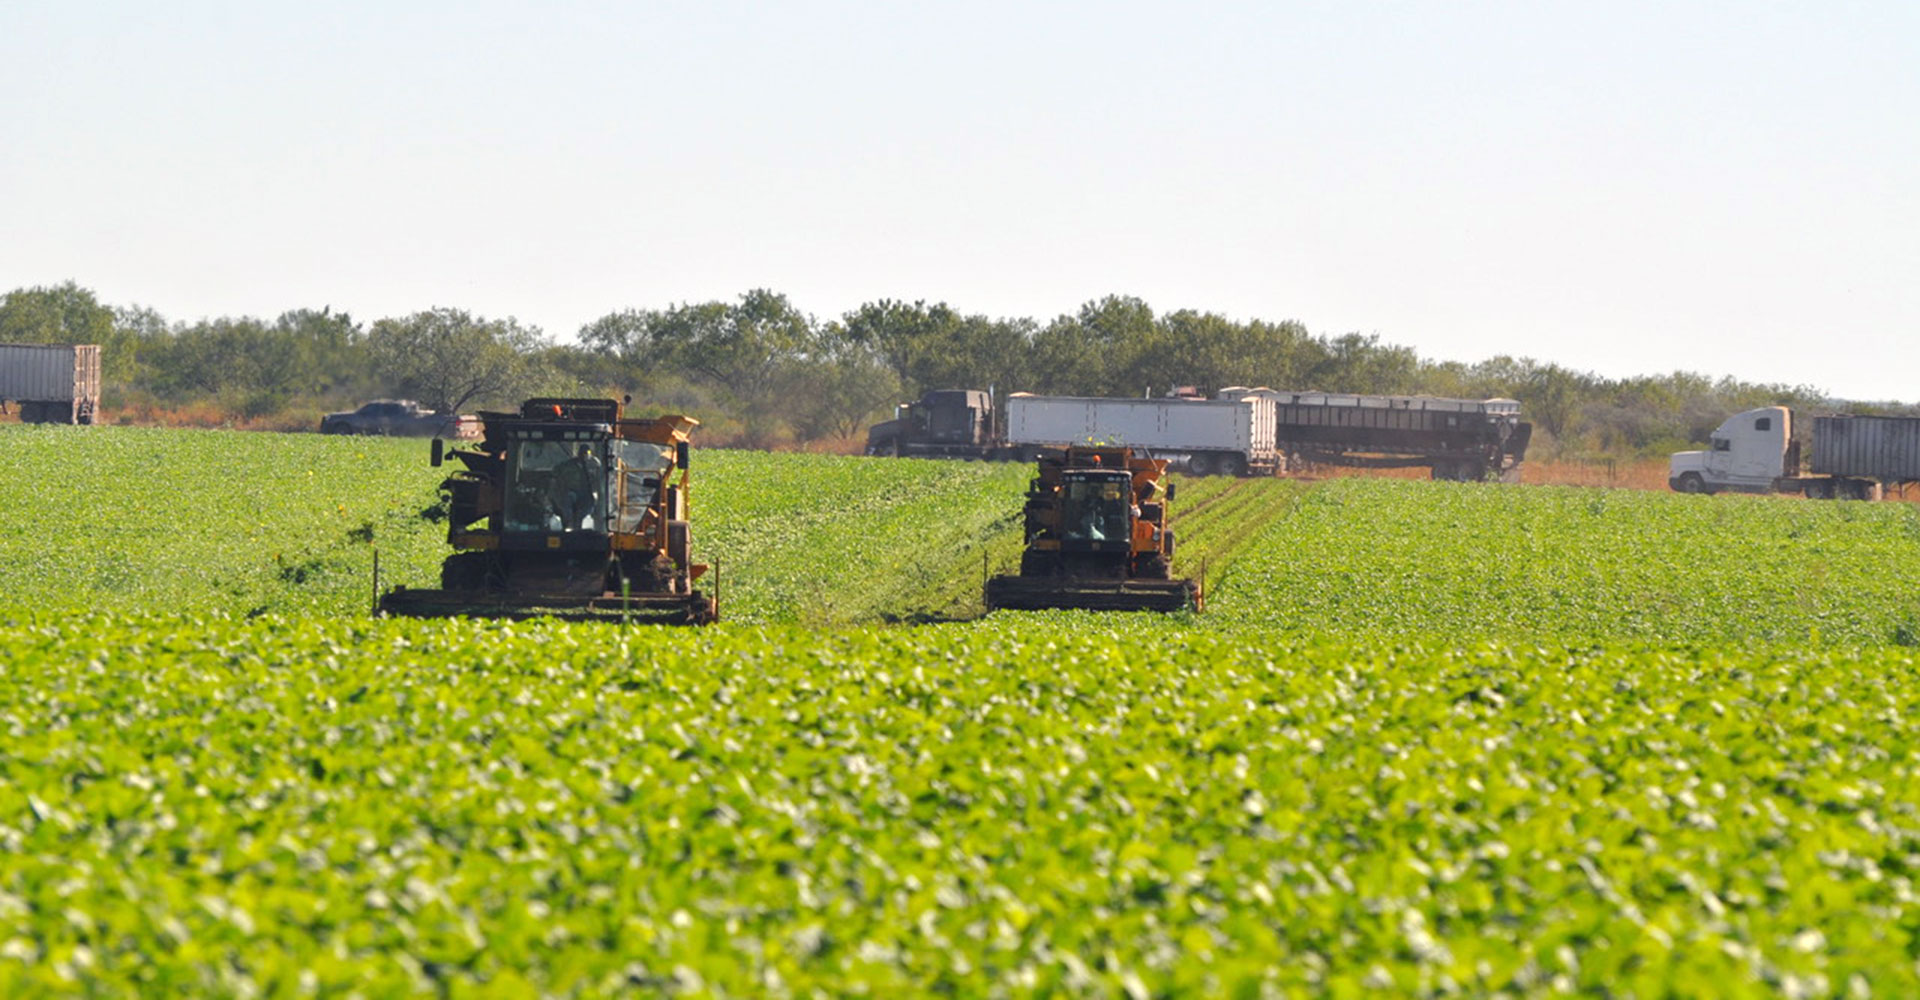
{"x":568,"y":508}
{"x":1097,"y":537}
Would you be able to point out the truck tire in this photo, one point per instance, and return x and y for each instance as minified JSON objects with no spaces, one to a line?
{"x":1233,"y":465}
{"x":1200,"y":463}
{"x":1690,"y":482}
{"x":1860,"y":489}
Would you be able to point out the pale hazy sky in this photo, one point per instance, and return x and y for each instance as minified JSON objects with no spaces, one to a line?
{"x":1621,"y":187}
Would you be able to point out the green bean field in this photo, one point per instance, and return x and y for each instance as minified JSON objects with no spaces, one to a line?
{"x":1426,"y":739}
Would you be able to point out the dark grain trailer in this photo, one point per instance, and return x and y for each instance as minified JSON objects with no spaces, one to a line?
{"x":1460,"y":439}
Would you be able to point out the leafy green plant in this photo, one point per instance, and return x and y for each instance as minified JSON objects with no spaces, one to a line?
{"x":1094,"y":807}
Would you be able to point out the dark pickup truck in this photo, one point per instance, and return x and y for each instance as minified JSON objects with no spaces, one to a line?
{"x":396,"y":418}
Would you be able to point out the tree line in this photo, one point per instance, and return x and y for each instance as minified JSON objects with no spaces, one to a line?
{"x":760,"y":372}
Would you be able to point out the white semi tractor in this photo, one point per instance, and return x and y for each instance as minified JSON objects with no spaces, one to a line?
{"x":1852,"y":457}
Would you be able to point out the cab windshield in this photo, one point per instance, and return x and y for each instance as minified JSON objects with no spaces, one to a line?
{"x":557,"y":486}
{"x":1094,"y":510}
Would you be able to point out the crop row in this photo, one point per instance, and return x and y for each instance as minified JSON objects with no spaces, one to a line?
{"x":205,"y":522}
{"x":1464,"y":562}
{"x":284,"y":806}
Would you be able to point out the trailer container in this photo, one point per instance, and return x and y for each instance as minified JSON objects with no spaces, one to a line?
{"x":1455,"y":438}
{"x":1883,"y":448}
{"x":51,"y":383}
{"x":1206,"y":436}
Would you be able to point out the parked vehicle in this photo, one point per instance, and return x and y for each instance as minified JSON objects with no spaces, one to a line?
{"x":1200,"y":435}
{"x":945,"y":423}
{"x":1457,"y":439}
{"x":1232,"y":437}
{"x":568,"y":508}
{"x":396,"y":418}
{"x":1759,"y":451}
{"x":51,"y":383}
{"x":1097,"y":537}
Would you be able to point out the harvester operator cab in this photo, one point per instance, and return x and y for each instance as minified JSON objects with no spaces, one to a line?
{"x":582,"y":480}
{"x":1096,"y":509}
{"x":557,"y":479}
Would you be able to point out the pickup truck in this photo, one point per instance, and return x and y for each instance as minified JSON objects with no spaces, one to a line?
{"x":396,"y":418}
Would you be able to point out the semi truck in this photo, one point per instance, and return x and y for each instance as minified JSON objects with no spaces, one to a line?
{"x":1456,"y":439}
{"x":51,"y":383}
{"x":945,"y":423}
{"x":1760,"y":451}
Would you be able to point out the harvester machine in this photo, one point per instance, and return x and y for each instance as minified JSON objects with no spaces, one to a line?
{"x":1097,"y":537}
{"x":569,"y":509}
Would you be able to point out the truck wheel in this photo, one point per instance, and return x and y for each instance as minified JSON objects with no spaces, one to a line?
{"x":1690,"y":482}
{"x":29,"y":413}
{"x":1200,"y":464}
{"x":1233,"y":465}
{"x":1861,"y":489}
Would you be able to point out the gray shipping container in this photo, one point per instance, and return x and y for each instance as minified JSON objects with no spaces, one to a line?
{"x":51,"y":383}
{"x":1883,"y":448}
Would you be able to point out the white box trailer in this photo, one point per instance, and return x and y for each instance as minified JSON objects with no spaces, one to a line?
{"x":1205,"y":436}
{"x":51,"y":383}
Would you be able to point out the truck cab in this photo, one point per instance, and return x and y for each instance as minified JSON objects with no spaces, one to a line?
{"x":1748,"y":453}
{"x":948,"y":422}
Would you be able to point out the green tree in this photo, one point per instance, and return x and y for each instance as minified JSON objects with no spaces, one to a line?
{"x":331,"y":350}
{"x":936,"y":347}
{"x":741,"y":351}
{"x":447,"y":358}
{"x":833,"y":392}
{"x":1095,"y":351}
{"x":69,"y":314}
{"x":1361,"y":363}
{"x":241,"y":362}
